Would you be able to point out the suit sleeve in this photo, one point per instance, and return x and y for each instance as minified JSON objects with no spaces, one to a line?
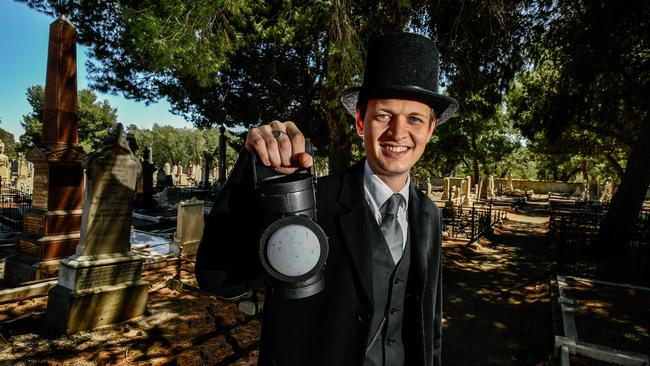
{"x":437,"y":322}
{"x":227,"y":261}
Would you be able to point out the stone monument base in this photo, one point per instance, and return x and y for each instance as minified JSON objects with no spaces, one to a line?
{"x":81,"y":273}
{"x":69,"y":311}
{"x":19,"y":269}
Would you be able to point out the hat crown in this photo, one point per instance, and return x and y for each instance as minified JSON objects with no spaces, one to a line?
{"x":402,"y":60}
{"x":405,"y":66}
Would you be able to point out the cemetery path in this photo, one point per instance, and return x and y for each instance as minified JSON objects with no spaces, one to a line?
{"x":497,"y":307}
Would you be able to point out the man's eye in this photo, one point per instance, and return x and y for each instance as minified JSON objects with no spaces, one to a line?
{"x":414,"y":119}
{"x":383,"y":117}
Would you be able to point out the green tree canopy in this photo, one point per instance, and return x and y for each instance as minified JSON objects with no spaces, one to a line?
{"x":587,"y":94}
{"x":94,"y":118}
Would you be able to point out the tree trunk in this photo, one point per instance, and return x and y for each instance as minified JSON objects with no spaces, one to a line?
{"x":340,"y":152}
{"x":619,"y":222}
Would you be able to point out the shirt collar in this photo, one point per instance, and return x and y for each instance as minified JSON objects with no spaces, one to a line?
{"x":379,"y":191}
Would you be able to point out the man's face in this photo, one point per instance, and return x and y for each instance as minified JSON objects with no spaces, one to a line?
{"x":394,"y":133}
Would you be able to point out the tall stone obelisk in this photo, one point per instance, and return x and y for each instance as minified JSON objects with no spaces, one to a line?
{"x":51,"y":227}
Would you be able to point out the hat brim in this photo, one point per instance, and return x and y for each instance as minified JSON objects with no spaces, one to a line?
{"x":443,"y":106}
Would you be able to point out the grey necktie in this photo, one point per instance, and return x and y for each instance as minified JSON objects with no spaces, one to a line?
{"x":390,"y":227}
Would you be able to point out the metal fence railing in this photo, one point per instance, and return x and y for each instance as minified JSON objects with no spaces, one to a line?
{"x":574,"y":228}
{"x":471,"y":222}
{"x":15,"y":200}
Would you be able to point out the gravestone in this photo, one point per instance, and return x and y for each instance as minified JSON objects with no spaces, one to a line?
{"x":446,"y":189}
{"x":189,"y":226}
{"x":467,"y":200}
{"x":490,"y":190}
{"x":5,"y":172}
{"x":161,"y":180}
{"x":51,"y":226}
{"x":147,"y":180}
{"x":510,"y":187}
{"x":100,"y":284}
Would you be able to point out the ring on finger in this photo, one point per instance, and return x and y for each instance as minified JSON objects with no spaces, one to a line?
{"x":278,"y":133}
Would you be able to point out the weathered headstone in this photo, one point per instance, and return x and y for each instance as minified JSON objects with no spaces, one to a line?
{"x":5,"y":172}
{"x":100,"y":284}
{"x":51,"y":227}
{"x":467,"y":200}
{"x":446,"y":189}
{"x":189,"y":226}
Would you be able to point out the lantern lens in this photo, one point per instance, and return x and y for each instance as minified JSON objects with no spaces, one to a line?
{"x":293,"y":250}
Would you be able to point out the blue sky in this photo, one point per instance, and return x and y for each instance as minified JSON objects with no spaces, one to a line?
{"x":23,"y":62}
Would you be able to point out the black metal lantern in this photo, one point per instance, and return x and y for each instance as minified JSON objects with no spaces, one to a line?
{"x":293,"y":248}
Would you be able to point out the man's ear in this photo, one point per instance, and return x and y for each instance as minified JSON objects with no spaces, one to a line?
{"x":359,"y":122}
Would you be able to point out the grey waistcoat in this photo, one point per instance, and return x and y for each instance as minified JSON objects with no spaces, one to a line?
{"x":389,"y":291}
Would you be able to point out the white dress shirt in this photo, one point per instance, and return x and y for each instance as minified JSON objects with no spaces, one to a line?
{"x":377,"y":193}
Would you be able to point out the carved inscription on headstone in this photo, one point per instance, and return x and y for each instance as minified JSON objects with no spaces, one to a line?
{"x":33,"y":223}
{"x":111,"y":176}
{"x":41,"y":188}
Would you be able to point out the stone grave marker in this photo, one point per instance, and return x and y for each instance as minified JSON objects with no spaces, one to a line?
{"x":467,"y":200}
{"x":51,"y":226}
{"x":5,"y":172}
{"x":100,"y":284}
{"x":446,"y":189}
{"x":189,"y":226}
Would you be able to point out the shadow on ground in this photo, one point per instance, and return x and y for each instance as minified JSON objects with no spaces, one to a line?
{"x":497,"y":306}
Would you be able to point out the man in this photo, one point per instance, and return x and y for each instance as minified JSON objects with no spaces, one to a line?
{"x":382,"y":301}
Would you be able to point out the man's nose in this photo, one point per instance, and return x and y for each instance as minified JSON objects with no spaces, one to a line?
{"x":397,"y":127}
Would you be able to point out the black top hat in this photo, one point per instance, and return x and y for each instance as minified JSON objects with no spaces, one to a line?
{"x":401,"y":65}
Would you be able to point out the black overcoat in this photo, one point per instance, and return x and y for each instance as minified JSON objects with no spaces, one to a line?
{"x":331,"y":327}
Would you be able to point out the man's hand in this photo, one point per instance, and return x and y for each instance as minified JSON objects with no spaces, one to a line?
{"x":280,"y":145}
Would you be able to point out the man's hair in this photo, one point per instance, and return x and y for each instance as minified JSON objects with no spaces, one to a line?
{"x":362,"y":105}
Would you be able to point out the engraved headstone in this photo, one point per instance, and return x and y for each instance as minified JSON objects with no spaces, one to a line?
{"x":100,"y":284}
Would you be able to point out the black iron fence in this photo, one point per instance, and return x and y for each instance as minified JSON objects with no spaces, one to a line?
{"x":574,"y":228}
{"x":471,"y":222}
{"x":12,"y":209}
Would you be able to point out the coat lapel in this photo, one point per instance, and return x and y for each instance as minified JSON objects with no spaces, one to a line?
{"x":355,"y":229}
{"x":421,"y":224}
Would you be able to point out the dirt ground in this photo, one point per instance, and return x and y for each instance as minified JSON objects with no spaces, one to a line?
{"x":497,"y":307}
{"x":496,"y":312}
